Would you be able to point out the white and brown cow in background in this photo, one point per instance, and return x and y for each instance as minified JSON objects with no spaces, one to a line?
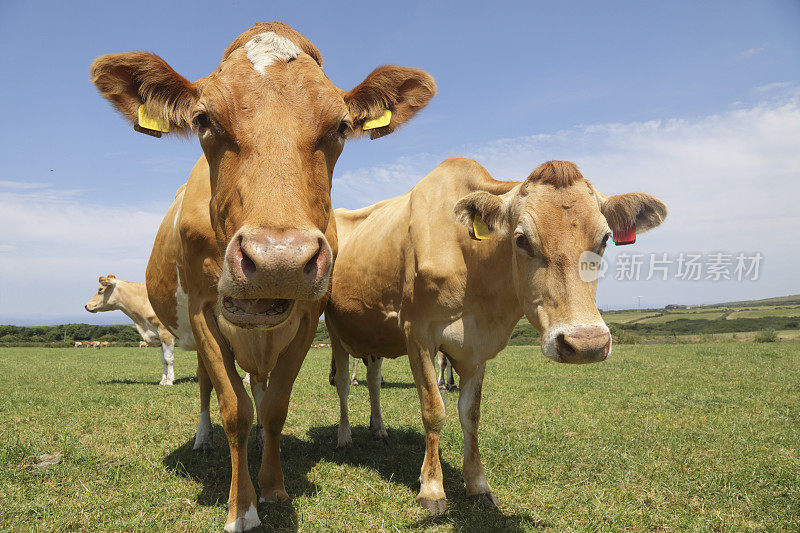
{"x":248,"y":245}
{"x":131,"y":298}
{"x":412,"y":278}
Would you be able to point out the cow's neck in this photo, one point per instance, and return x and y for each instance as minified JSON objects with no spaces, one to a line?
{"x":500,"y":303}
{"x":132,"y":300}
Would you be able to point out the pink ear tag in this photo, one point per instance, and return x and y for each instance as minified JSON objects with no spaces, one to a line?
{"x":626,"y":236}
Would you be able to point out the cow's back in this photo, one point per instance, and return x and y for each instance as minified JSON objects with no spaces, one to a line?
{"x":408,"y":255}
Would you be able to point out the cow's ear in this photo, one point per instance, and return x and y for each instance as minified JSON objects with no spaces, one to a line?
{"x":105,"y":281}
{"x":387,"y":98}
{"x":637,"y":209}
{"x":145,"y":89}
{"x":484,"y":214}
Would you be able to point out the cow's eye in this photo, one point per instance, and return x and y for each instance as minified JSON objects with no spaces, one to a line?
{"x":343,"y":127}
{"x":201,"y":120}
{"x":523,"y":243}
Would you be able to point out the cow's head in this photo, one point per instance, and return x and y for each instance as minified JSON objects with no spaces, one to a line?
{"x":105,"y":299}
{"x":271,"y":125}
{"x":550,"y":221}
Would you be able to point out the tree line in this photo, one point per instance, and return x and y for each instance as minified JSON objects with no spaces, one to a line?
{"x":68,"y":333}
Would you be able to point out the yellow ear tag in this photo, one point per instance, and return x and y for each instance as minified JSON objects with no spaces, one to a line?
{"x":147,"y":122}
{"x":379,"y":122}
{"x":479,"y":228}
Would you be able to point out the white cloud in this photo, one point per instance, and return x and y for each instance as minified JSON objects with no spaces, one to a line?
{"x":54,"y":244}
{"x":731,"y":181}
{"x":5,"y":184}
{"x":749,"y":53}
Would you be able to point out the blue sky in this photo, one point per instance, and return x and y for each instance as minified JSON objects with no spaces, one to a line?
{"x":695,"y":102}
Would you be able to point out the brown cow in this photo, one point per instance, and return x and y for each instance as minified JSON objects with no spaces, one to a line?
{"x":247,"y":246}
{"x":131,"y":298}
{"x":411,"y":278}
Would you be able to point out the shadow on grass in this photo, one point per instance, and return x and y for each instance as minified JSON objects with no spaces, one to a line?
{"x":397,"y":461}
{"x":178,"y":381}
{"x":389,"y":385}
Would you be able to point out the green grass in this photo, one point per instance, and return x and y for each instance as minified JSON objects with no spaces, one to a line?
{"x":763,"y":312}
{"x":660,"y":437}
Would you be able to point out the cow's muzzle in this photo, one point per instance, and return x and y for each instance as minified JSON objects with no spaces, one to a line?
{"x":577,"y":344}
{"x":266,"y":270}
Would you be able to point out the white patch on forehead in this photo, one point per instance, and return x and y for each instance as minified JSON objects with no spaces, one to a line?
{"x":266,"y":48}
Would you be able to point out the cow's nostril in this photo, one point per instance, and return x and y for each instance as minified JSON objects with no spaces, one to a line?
{"x":311,"y":265}
{"x":248,"y":266}
{"x":564,"y":347}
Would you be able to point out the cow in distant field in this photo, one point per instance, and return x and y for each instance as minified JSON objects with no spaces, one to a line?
{"x":142,"y":344}
{"x":452,"y":266}
{"x":246,"y":249}
{"x":105,"y":344}
{"x":131,"y":298}
{"x":78,"y":344}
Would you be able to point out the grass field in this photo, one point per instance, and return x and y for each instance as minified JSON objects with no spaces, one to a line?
{"x":660,"y":437}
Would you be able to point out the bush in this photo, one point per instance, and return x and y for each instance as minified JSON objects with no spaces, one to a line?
{"x":766,"y":335}
{"x":621,"y":336}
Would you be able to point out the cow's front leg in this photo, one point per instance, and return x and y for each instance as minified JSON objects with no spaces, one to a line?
{"x":167,"y":358}
{"x":469,"y":412}
{"x":274,"y":406}
{"x":341,"y":359}
{"x":431,"y":492}
{"x":374,"y":385}
{"x":236,"y":409}
{"x":202,"y":438}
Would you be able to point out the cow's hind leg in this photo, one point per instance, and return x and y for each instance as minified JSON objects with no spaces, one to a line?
{"x":258,"y":389}
{"x":450,"y":380}
{"x":441,"y":361}
{"x":332,"y":373}
{"x":469,"y":412}
{"x":202,"y":438}
{"x":342,"y":360}
{"x":354,"y":374}
{"x":431,"y":493}
{"x":167,"y":358}
{"x":374,"y":385}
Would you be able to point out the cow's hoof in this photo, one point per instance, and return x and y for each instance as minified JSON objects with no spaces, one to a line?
{"x":381,"y":435}
{"x":203,"y":447}
{"x":344,"y":438}
{"x":275,"y":496}
{"x":354,"y":383}
{"x":165,"y":381}
{"x":435,"y":507}
{"x":244,"y":523}
{"x":453,"y":388}
{"x":487,"y":499}
{"x":442,"y":387}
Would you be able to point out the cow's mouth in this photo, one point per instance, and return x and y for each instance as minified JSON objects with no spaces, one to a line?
{"x":255,"y":312}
